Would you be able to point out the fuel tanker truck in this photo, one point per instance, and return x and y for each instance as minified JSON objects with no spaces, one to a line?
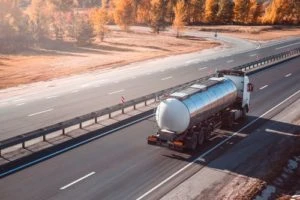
{"x":189,"y":116}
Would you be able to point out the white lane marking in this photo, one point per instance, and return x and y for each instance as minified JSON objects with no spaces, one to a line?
{"x":287,"y":46}
{"x":252,"y":55}
{"x":230,"y":61}
{"x":200,"y":158}
{"x":115,"y":92}
{"x":74,"y":91}
{"x":263,"y":87}
{"x":202,"y":68}
{"x":18,"y":100}
{"x":73,"y":146}
{"x":85,"y":85}
{"x":37,"y":113}
{"x":51,"y":97}
{"x":76,"y":181}
{"x":166,"y":78}
{"x":288,"y":75}
{"x":192,"y":61}
{"x":20,"y":104}
{"x":280,"y":132}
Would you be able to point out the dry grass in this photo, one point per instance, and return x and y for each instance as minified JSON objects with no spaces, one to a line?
{"x":58,"y":60}
{"x":261,"y":33}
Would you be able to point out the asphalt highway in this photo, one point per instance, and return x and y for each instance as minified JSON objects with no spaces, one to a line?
{"x":121,"y":165}
{"x":27,"y":113}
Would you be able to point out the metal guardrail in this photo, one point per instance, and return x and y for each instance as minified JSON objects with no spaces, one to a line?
{"x":62,"y":126}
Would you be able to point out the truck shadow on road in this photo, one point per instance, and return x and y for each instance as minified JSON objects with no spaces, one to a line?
{"x":259,"y":151}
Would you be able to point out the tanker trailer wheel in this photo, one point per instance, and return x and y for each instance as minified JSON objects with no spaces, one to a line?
{"x":194,"y":142}
{"x":201,"y":137}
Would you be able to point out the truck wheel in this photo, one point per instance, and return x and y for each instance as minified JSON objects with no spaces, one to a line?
{"x":194,"y":143}
{"x":201,"y":138}
{"x":244,"y":113}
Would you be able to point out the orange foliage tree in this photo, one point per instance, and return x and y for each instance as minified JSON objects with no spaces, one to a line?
{"x":211,"y":10}
{"x":282,"y":12}
{"x":225,"y":11}
{"x":124,"y":13}
{"x":99,"y":19}
{"x":180,"y":14}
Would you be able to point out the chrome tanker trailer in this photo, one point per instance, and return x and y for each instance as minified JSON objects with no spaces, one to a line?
{"x":188,"y":117}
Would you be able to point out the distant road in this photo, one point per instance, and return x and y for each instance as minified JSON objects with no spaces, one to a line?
{"x":51,"y":102}
{"x":122,"y":166}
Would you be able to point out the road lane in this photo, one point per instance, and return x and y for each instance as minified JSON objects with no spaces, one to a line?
{"x":126,"y":167}
{"x":78,"y":102}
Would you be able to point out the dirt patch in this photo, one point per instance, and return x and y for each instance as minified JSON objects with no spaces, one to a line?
{"x":59,"y":59}
{"x":261,"y":33}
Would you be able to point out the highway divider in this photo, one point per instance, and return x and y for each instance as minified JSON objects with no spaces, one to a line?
{"x":63,"y":127}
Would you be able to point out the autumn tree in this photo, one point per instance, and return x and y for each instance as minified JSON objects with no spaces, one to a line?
{"x":124,"y":13}
{"x":180,"y":14}
{"x":170,"y":15}
{"x":156,"y":15}
{"x":252,"y":12}
{"x":225,"y":11}
{"x":241,"y":9}
{"x":143,"y":12}
{"x":211,"y":10}
{"x":38,"y":19}
{"x":13,"y":27}
{"x":196,"y":8}
{"x":81,"y":29}
{"x":282,"y":12}
{"x":99,"y":20}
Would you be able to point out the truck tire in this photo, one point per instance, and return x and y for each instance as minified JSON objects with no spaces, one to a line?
{"x":244,"y":113}
{"x":194,"y":143}
{"x":201,"y":138}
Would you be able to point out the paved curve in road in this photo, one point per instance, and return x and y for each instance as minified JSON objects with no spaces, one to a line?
{"x":52,"y":104}
{"x":121,"y":165}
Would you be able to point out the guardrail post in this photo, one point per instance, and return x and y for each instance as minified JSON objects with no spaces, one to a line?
{"x":80,"y":125}
{"x":134,"y":107}
{"x":122,"y":110}
{"x":23,"y":145}
{"x":63,"y":131}
{"x":109,"y":115}
{"x":44,"y":138}
{"x":96,"y":120}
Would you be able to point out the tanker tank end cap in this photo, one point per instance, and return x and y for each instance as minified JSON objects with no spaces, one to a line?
{"x":172,"y":114}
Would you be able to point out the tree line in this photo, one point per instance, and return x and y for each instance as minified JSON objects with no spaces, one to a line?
{"x":25,"y":23}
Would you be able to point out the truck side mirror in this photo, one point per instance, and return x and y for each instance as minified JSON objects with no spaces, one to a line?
{"x":250,"y":87}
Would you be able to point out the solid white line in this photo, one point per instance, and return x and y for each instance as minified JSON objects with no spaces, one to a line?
{"x":118,"y":91}
{"x":263,"y":87}
{"x":252,"y":55}
{"x":230,"y":61}
{"x":76,"y":181}
{"x":51,"y":97}
{"x":85,"y":85}
{"x":166,"y":78}
{"x":20,"y":104}
{"x":192,"y":61}
{"x":288,"y":75}
{"x":287,"y":46}
{"x":17,"y":100}
{"x":215,"y":147}
{"x":37,"y":113}
{"x":202,"y":68}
